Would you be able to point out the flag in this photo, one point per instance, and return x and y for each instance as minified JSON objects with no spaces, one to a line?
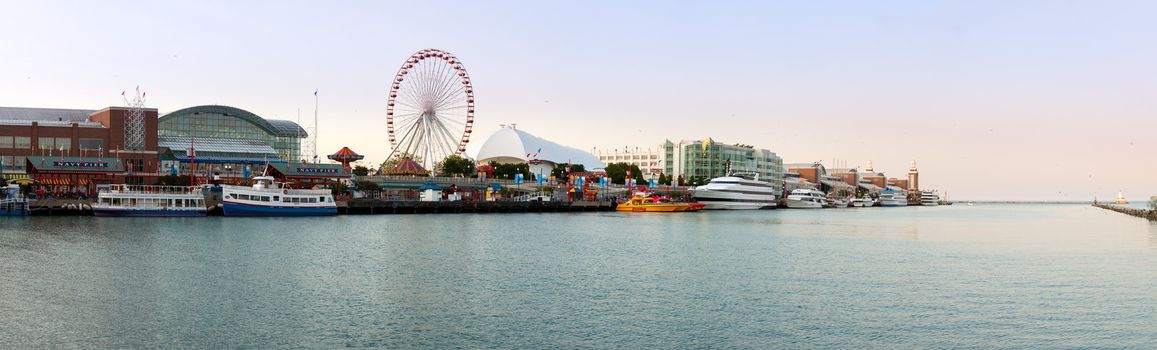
{"x":122,"y":92}
{"x":315,"y":92}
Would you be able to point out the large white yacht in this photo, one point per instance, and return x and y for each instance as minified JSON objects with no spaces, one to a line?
{"x":737,"y":191}
{"x":804,"y":198}
{"x":893,"y":198}
{"x":929,"y":198}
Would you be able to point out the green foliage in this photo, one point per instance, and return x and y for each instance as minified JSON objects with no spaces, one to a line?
{"x":361,"y":170}
{"x":560,"y":170}
{"x":664,"y":180}
{"x":507,"y":171}
{"x":455,"y":165}
{"x":618,"y":173}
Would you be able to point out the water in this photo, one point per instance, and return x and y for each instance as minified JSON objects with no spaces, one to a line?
{"x":940,"y":277}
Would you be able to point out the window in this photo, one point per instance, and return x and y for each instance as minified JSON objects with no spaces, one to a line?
{"x":22,"y":142}
{"x":46,"y":142}
{"x":276,"y":198}
{"x":91,"y":144}
{"x":321,"y":199}
{"x":63,"y":143}
{"x":6,"y":142}
{"x":264,"y":198}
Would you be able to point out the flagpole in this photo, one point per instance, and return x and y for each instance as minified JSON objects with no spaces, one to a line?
{"x":315,"y":127}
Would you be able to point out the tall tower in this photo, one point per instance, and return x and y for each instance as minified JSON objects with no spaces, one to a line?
{"x":135,"y":121}
{"x":913,"y":178}
{"x":868,"y":169}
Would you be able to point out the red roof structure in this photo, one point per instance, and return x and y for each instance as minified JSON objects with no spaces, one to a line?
{"x":407,"y":166}
{"x":345,"y":156}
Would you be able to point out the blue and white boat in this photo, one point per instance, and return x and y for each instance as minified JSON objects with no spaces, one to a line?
{"x":128,"y":200}
{"x":12,"y":202}
{"x":269,"y":198}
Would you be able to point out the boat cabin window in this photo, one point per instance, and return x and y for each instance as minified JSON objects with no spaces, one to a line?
{"x":264,"y":198}
{"x":321,"y":199}
{"x":276,"y":198}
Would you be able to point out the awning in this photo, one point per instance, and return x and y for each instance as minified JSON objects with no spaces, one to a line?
{"x":870,"y":187}
{"x":55,"y":181}
{"x":836,"y":184}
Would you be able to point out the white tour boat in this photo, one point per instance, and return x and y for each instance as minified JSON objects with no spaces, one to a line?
{"x":12,"y":202}
{"x":130,"y":200}
{"x":929,"y":198}
{"x":893,"y":198}
{"x":737,"y":191}
{"x":269,"y":198}
{"x":804,"y":198}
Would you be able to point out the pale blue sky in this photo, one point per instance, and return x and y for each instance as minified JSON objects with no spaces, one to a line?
{"x":998,"y":99}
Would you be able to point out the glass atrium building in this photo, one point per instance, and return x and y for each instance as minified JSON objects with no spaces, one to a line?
{"x":700,"y":161}
{"x":227,"y":140}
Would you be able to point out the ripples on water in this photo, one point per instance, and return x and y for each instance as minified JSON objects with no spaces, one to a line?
{"x":943,"y":277}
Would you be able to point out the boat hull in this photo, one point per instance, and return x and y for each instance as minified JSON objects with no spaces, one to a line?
{"x":241,"y":209}
{"x":802,"y":204}
{"x":658,"y":208}
{"x":105,"y":212}
{"x":731,"y":205}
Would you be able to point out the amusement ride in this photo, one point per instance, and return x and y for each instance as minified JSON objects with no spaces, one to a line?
{"x":430,"y":111}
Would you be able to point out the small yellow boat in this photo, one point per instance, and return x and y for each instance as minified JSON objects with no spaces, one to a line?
{"x":648,"y":204}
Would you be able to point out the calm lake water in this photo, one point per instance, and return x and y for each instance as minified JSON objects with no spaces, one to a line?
{"x":984,"y":276}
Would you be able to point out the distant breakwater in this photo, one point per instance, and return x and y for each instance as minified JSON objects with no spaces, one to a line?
{"x":1141,"y":213}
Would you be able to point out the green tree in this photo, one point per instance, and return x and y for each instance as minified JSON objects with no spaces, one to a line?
{"x":361,"y":170}
{"x":507,"y":170}
{"x":559,"y":170}
{"x":455,"y":165}
{"x":617,"y":172}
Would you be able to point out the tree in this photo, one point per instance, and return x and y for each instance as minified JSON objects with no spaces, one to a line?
{"x":1153,"y":203}
{"x":618,"y":173}
{"x":361,"y":170}
{"x":559,"y":171}
{"x":455,"y":165}
{"x":664,"y":180}
{"x":507,"y":170}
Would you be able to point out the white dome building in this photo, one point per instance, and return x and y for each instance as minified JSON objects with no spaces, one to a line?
{"x":510,"y":145}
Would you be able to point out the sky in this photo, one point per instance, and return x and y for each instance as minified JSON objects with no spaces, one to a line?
{"x":1040,"y":100}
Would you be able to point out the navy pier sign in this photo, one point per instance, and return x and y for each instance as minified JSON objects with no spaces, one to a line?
{"x":317,"y":170}
{"x":80,"y":164}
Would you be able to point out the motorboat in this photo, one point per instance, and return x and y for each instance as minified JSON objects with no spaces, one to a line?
{"x":267,"y":197}
{"x":131,"y":200}
{"x":735,"y":192}
{"x":640,"y":203}
{"x":804,"y":198}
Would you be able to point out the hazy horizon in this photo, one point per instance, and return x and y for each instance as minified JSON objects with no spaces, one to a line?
{"x":994,"y":100}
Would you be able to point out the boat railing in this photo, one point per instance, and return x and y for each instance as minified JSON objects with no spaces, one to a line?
{"x":150,"y":189}
{"x":284,"y":190}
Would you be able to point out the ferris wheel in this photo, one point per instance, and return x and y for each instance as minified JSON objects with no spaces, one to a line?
{"x":430,"y":113}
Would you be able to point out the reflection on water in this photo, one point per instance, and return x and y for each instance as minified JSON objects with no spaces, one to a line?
{"x":982,"y":276}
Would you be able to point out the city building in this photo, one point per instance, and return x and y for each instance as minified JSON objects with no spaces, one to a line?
{"x":511,"y":145}
{"x":649,"y":160}
{"x":228,"y":141}
{"x":65,"y":140}
{"x":699,"y":161}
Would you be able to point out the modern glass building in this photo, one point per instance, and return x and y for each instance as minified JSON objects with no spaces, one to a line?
{"x":699,"y":161}
{"x":227,"y":139}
